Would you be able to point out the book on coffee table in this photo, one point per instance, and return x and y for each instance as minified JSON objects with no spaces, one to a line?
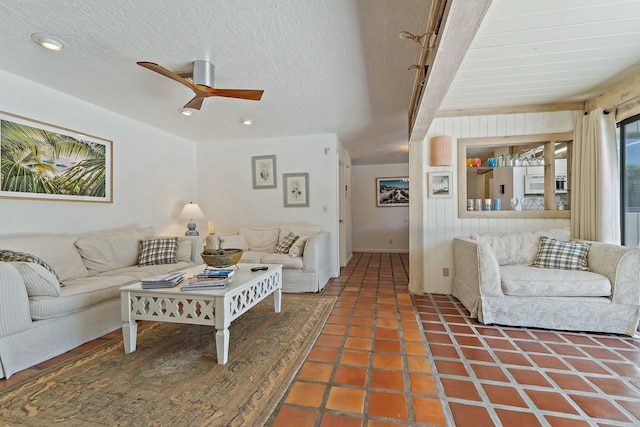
{"x":196,"y":283}
{"x":162,"y":280}
{"x":211,"y":272}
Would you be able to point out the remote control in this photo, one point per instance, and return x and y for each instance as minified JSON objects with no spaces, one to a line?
{"x":262,"y":268}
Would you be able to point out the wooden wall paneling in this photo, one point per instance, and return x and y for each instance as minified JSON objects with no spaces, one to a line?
{"x":440,"y":222}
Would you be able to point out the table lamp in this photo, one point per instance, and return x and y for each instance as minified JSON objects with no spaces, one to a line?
{"x":191,"y":211}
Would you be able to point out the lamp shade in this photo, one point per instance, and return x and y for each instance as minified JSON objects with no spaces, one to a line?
{"x":191,"y":211}
{"x":440,"y":151}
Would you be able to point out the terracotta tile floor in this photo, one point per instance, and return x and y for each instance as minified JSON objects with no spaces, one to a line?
{"x":388,"y":359}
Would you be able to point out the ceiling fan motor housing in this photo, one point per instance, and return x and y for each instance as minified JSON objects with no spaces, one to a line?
{"x":202,"y":73}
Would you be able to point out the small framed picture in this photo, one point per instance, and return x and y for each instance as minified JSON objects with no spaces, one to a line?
{"x":440,"y":184}
{"x":264,"y":172}
{"x":392,"y":191}
{"x":296,"y":189}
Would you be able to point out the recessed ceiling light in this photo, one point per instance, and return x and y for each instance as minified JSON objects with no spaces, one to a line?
{"x":246,"y":122}
{"x":47,"y":42}
{"x":185,"y":111}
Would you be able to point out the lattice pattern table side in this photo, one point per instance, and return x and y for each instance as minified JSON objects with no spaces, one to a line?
{"x":197,"y":311}
{"x":249,"y":297}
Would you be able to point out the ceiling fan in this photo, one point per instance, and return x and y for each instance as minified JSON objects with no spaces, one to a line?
{"x":202,"y":83}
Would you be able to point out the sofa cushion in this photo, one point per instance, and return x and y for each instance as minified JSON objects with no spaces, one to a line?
{"x":59,"y":251}
{"x":284,"y":246}
{"x":288,"y":262}
{"x":520,"y":247}
{"x":108,"y":251}
{"x":261,"y":239}
{"x":13,"y":256}
{"x":297,"y":249}
{"x":77,"y":295}
{"x":233,"y":241}
{"x":139,"y":273}
{"x":562,"y":255}
{"x":543,"y":282}
{"x":299,"y":230}
{"x":38,"y":280}
{"x":158,"y":251}
{"x":253,"y":257}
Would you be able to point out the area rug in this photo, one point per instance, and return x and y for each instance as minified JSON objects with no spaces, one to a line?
{"x":173,"y":378}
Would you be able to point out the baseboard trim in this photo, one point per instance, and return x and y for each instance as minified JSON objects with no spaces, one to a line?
{"x":394,"y":251}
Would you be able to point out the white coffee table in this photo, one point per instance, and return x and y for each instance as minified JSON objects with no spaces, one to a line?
{"x":210,"y":307}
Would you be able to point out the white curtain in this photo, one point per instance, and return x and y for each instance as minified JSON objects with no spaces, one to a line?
{"x":595,"y":179}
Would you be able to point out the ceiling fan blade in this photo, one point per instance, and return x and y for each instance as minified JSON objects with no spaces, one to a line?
{"x":195,"y":103}
{"x":252,"y":95}
{"x":165,"y":72}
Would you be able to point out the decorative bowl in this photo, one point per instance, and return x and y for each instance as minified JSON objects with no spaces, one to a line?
{"x":221,"y":257}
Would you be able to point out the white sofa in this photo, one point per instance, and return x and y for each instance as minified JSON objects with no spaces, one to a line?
{"x":42,"y":316}
{"x":495,"y":280}
{"x":306,"y":266}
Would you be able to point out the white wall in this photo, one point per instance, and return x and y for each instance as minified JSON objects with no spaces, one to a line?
{"x":227,"y":196}
{"x":153,"y":174}
{"x":378,"y":229}
{"x":435,"y":222}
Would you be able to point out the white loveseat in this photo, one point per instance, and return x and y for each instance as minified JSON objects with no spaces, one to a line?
{"x":495,"y":280}
{"x":306,"y":265}
{"x":42,"y":316}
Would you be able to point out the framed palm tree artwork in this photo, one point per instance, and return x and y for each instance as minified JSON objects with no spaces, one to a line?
{"x":43,"y":161}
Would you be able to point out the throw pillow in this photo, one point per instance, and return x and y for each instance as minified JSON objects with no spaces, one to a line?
{"x":297,"y":249}
{"x":562,"y":255}
{"x":284,"y":246}
{"x":261,"y":239}
{"x":233,"y":241}
{"x":158,"y":251}
{"x":183,"y":253}
{"x":37,"y":279}
{"x":13,"y":256}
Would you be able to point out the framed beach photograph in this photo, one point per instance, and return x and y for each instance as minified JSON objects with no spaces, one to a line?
{"x":439,"y":184}
{"x":44,"y":161}
{"x":296,"y":189}
{"x":264,"y":172}
{"x":392,"y":191}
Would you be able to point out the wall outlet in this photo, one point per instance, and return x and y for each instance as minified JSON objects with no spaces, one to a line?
{"x":391,"y":241}
{"x":445,"y":272}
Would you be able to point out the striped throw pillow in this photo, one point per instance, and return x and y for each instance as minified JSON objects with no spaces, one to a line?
{"x":562,"y":255}
{"x":158,"y":251}
{"x":13,"y":256}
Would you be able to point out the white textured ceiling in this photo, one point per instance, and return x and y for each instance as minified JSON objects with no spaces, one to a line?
{"x":326,"y":66}
{"x":547,"y":51}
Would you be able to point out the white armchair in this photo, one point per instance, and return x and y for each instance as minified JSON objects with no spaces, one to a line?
{"x":604,"y":299}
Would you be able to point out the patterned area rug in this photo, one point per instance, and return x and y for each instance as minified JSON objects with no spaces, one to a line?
{"x":173,"y":378}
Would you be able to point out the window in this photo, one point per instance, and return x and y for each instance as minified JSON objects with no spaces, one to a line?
{"x":629,"y":148}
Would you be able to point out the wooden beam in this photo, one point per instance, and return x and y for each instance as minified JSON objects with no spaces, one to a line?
{"x":627,"y":110}
{"x":434,"y":21}
{"x":619,"y":94}
{"x":459,"y":25}
{"x":489,"y":111}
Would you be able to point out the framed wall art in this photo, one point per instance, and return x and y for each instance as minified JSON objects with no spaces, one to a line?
{"x":296,"y":189}
{"x":44,"y":161}
{"x":439,"y":184}
{"x":264,"y":172}
{"x":392,"y":191}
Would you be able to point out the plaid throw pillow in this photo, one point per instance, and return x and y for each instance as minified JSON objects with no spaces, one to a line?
{"x":284,"y":246}
{"x":562,"y":255}
{"x":13,"y":256}
{"x":158,"y":251}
